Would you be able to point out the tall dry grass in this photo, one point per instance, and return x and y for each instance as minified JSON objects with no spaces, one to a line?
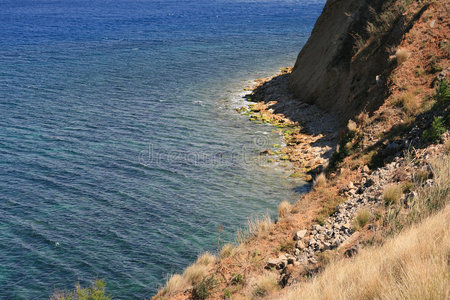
{"x":412,"y":265}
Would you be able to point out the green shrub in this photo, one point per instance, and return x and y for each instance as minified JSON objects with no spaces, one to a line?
{"x":433,"y":133}
{"x":237,"y":279}
{"x":203,"y":289}
{"x":96,"y":292}
{"x":226,"y":293}
{"x":443,"y":93}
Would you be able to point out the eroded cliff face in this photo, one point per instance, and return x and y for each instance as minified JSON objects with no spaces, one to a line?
{"x":346,"y":63}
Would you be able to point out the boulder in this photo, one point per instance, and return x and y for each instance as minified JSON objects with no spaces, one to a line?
{"x":300,"y":235}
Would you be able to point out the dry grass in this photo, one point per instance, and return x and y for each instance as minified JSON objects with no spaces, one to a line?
{"x":410,"y":103}
{"x":265,"y":285}
{"x":227,"y":251}
{"x":284,"y":209}
{"x":362,"y":218}
{"x":413,"y":265}
{"x":175,"y":284}
{"x":259,"y":226}
{"x":401,"y":55}
{"x":206,"y":259}
{"x":194,"y":273}
{"x":351,"y":126}
{"x":392,"y":194}
{"x":320,"y":181}
{"x":447,"y":146}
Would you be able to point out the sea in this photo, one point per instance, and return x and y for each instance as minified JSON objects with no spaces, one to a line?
{"x":122,"y":156}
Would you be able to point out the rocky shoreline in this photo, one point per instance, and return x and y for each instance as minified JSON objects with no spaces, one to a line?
{"x":309,"y":133}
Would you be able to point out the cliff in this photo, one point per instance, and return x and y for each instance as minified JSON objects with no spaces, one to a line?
{"x":345,"y":65}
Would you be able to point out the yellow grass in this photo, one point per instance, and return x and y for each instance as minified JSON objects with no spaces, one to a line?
{"x":401,"y":55}
{"x":412,"y":265}
{"x":259,"y":226}
{"x":284,"y":209}
{"x":410,"y":103}
{"x":206,"y":259}
{"x":320,"y":181}
{"x":176,"y":283}
{"x":194,"y":273}
{"x":226,"y":251}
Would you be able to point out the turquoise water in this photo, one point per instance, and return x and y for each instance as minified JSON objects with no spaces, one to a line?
{"x":120,"y":150}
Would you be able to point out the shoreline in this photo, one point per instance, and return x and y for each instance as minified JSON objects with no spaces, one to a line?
{"x":308,"y":140}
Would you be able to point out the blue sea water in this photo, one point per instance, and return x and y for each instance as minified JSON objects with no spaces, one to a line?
{"x":120,"y":151}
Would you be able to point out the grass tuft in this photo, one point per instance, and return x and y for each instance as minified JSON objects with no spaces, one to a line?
{"x":194,"y":273}
{"x":392,"y":194}
{"x":284,"y":209}
{"x":362,"y":218}
{"x":206,"y":259}
{"x":320,"y":181}
{"x":401,"y":55}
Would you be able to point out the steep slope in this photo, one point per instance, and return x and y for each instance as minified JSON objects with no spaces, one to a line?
{"x":345,"y":65}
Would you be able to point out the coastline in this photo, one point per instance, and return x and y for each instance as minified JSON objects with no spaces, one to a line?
{"x":309,"y":134}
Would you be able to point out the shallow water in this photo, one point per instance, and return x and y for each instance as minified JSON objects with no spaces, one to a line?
{"x":120,"y":151}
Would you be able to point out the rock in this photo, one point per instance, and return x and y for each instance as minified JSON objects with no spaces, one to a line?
{"x":266,"y":152}
{"x":300,"y":234}
{"x":300,"y":245}
{"x":366,"y":169}
{"x":351,"y":251}
{"x":318,"y":228}
{"x":273,"y":262}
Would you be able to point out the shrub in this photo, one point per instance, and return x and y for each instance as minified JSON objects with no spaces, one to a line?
{"x":96,"y":292}
{"x":284,"y":208}
{"x":203,"y":289}
{"x":320,"y":181}
{"x":401,"y":55}
{"x":443,"y":93}
{"x":434,"y":133}
{"x":237,"y":279}
{"x":392,"y":194}
{"x":361,"y":219}
{"x":226,"y":293}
